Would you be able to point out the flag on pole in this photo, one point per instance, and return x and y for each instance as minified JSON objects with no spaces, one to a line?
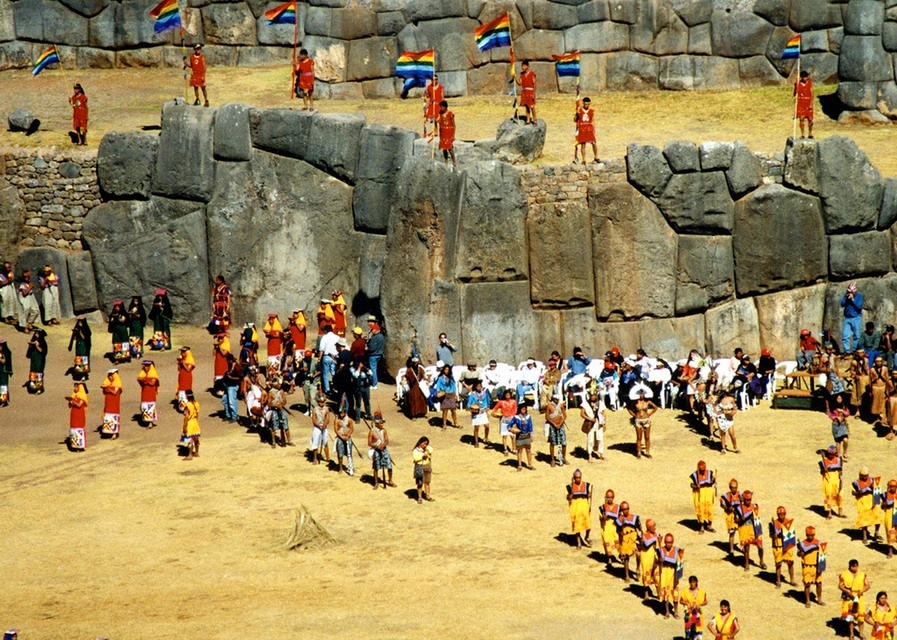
{"x":512,"y":70}
{"x":567,"y":64}
{"x":792,"y":49}
{"x":48,"y":57}
{"x":282,"y":14}
{"x":494,"y":34}
{"x":167,"y":16}
{"x":416,"y":67}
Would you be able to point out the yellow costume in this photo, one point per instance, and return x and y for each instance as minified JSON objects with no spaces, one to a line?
{"x":831,"y":482}
{"x":729,"y":502}
{"x":669,"y":582}
{"x":702,"y":496}
{"x":746,"y":518}
{"x":890,"y":499}
{"x":609,"y":514}
{"x":852,"y":609}
{"x":191,"y":419}
{"x":882,"y":623}
{"x":809,"y":553}
{"x":648,"y":559}
{"x":629,"y":533}
{"x":868,"y":513}
{"x":694,"y":617}
{"x":724,"y":626}
{"x":784,"y":540}
{"x":580,"y":509}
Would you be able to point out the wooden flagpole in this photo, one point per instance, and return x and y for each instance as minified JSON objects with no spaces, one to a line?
{"x":436,"y":131}
{"x":797,"y":81}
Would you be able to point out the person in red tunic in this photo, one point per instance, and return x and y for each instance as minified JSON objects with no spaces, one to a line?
{"x":148,"y":379}
{"x":273,"y":331}
{"x":186,"y":365}
{"x":79,"y":115}
{"x":305,"y":80}
{"x":433,"y":96}
{"x":527,"y":84}
{"x":197,"y":66}
{"x":220,"y":352}
{"x":112,"y":390}
{"x":78,"y":417}
{"x":339,"y":308}
{"x":298,"y":332}
{"x":803,"y":89}
{"x":585,"y":128}
{"x":445,"y":128}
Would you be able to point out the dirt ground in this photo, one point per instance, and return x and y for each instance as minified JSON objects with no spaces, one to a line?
{"x":129,"y":99}
{"x":128,"y":540}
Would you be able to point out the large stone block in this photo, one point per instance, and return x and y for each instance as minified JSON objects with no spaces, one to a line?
{"x":488,"y":79}
{"x":626,"y":11}
{"x":140,"y":58}
{"x":659,"y":31}
{"x":716,"y":73}
{"x":333,"y":144}
{"x":138,"y":246}
{"x":86,"y":8}
{"x":491,"y":240}
{"x":353,"y":22}
{"x":83,"y":282}
{"x":697,"y":203}
{"x":597,"y":37}
{"x":887,"y":99}
{"x":15,"y":55}
{"x":518,"y":143}
{"x":318,"y":20}
{"x":757,"y":71}
{"x":693,"y":12}
{"x":125,"y":164}
{"x":682,"y":156}
{"x":814,"y":41}
{"x":560,"y":255}
{"x":505,"y":332}
{"x":185,"y":168}
{"x":647,"y":169}
{"x":777,"y":42}
{"x":671,"y":338}
{"x":800,"y":165}
{"x":770,"y":223}
{"x":36,"y":258}
{"x":232,"y":140}
{"x":451,"y":37}
{"x":419,"y":11}
{"x":850,"y":187}
{"x":282,"y":131}
{"x":538,"y":44}
{"x":864,"y":59}
{"x":7,"y":22}
{"x":676,"y":73}
{"x":12,"y":215}
{"x":371,"y":58}
{"x":858,"y":95}
{"x":630,"y":283}
{"x":739,"y":34}
{"x":705,"y":272}
{"x":263,"y":56}
{"x":859,"y":254}
{"x":310,"y":257}
{"x":822,"y":67}
{"x":773,"y":11}
{"x":550,"y":15}
{"x":699,"y":41}
{"x":330,"y":58}
{"x":746,"y":171}
{"x":629,"y":71}
{"x":454,"y":83}
{"x":580,"y":329}
{"x":593,"y":11}
{"x":229,"y":24}
{"x":887,"y":215}
{"x":889,"y":36}
{"x":47,"y":21}
{"x":732,"y":325}
{"x":814,"y":14}
{"x":782,"y":315}
{"x":864,"y":17}
{"x":88,"y":57}
{"x":370,"y":267}
{"x":716,"y":155}
{"x":390,"y":23}
{"x":383,"y":151}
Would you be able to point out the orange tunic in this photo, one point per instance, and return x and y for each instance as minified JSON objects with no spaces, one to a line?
{"x":446,"y":123}
{"x":78,"y":414}
{"x":528,"y":88}
{"x":306,"y":70}
{"x":585,"y":129}
{"x":298,"y":333}
{"x":435,"y":95}
{"x":804,"y":93}
{"x":79,"y":111}
{"x":197,"y":70}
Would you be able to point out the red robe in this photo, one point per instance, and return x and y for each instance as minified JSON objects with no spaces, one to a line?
{"x":435,"y":95}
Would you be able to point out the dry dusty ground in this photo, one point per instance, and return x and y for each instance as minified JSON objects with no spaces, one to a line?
{"x":126,"y":100}
{"x":127,"y":540}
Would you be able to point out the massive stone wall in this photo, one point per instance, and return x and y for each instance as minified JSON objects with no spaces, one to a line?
{"x":626,"y":44}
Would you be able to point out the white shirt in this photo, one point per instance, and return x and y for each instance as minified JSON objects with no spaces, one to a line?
{"x":327,"y":344}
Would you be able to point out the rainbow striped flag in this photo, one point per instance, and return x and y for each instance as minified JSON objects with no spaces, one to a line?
{"x":494,"y":34}
{"x":167,"y":16}
{"x":416,"y":67}
{"x":567,"y":64}
{"x":792,"y":49}
{"x":48,"y":57}
{"x":282,"y":14}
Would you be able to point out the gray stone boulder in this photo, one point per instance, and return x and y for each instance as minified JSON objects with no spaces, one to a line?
{"x":505,"y":332}
{"x":813,"y":42}
{"x":887,"y":215}
{"x":580,"y":329}
{"x":782,"y":315}
{"x":281,"y":131}
{"x":699,"y":41}
{"x":697,"y":203}
{"x":630,"y":71}
{"x":822,"y":67}
{"x":12,"y":216}
{"x":693,"y":12}
{"x":36,"y":258}
{"x":647,"y":169}
{"x":185,"y":167}
{"x":534,"y":44}
{"x":676,"y":73}
{"x":519,"y":143}
{"x":732,"y":325}
{"x":560,"y":255}
{"x":864,"y":59}
{"x":593,"y":11}
{"x":889,"y":36}
{"x":125,"y":164}
{"x":778,"y":240}
{"x":47,"y":21}
{"x":629,"y":282}
{"x":773,"y":11}
{"x":231,"y":24}
{"x":757,"y":71}
{"x":491,"y":237}
{"x":83,"y":282}
{"x":547,"y":15}
{"x":383,"y":151}
{"x":353,"y":22}
{"x":626,"y":11}
{"x":814,"y":14}
{"x":334,"y":142}
{"x":745,"y":173}
{"x":659,"y":31}
{"x":716,"y":155}
{"x":452,"y":39}
{"x":887,"y":99}
{"x":858,"y":95}
{"x":716,"y":73}
{"x":280,"y":34}
{"x":865,"y":117}
{"x":682,"y":156}
{"x":15,"y":55}
{"x":705,"y":272}
{"x":864,"y":17}
{"x":800,"y":165}
{"x":310,"y":211}
{"x":137,"y":246}
{"x":390,"y":23}
{"x":859,"y":254}
{"x":671,"y":338}
{"x":232,"y":138}
{"x":22,"y":120}
{"x":597,"y":37}
{"x":418,"y":11}
{"x":86,"y":8}
{"x":371,"y":58}
{"x":124,"y":25}
{"x":850,"y":187}
{"x":370,"y":267}
{"x":739,"y":34}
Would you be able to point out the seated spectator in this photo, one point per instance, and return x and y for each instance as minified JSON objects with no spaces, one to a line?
{"x":766,"y":367}
{"x":550,"y":381}
{"x":466,"y":381}
{"x":870,"y":342}
{"x":609,"y":385}
{"x":494,"y":381}
{"x":529,"y":380}
{"x":806,"y":350}
{"x":578,"y":362}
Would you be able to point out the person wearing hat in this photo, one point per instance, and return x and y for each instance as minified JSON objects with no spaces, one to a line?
{"x":859,"y":374}
{"x":49,"y":285}
{"x":339,"y":308}
{"x":831,"y":469}
{"x":5,"y":372}
{"x":77,"y":439}
{"x":807,"y":347}
{"x":550,"y":383}
{"x":112,"y":388}
{"x":162,"y":315}
{"x":585,"y":129}
{"x":136,"y":325}
{"x":889,"y":509}
{"x":378,"y":443}
{"x":78,"y":102}
{"x":783,"y":540}
{"x":703,"y":486}
{"x":191,"y":432}
{"x":9,"y":308}
{"x":29,"y":311}
{"x":629,"y":529}
{"x":608,"y":513}
{"x":729,"y":502}
{"x":197,"y":66}
{"x":321,"y":418}
{"x":361,"y":376}
{"x":579,"y":505}
{"x":298,"y":328}
{"x":325,"y":316}
{"x":750,"y":529}
{"x":812,"y":558}
{"x":593,"y":425}
{"x":273,"y":331}
{"x":343,"y":428}
{"x":868,"y":510}
{"x":851,"y":328}
{"x":359,"y":345}
{"x":186,"y":364}
{"x":529,"y":380}
{"x":343,"y":380}
{"x":853,"y":585}
{"x":376,"y":348}
{"x":148,"y":379}
{"x":466,"y":380}
{"x":248,"y":356}
{"x":669,"y":557}
{"x":37,"y":355}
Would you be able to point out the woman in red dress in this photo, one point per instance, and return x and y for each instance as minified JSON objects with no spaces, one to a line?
{"x":78,"y":417}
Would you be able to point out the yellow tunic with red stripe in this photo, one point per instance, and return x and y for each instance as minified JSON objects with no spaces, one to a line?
{"x":609,"y":515}
{"x":783,"y":540}
{"x":747,"y":517}
{"x":702,"y":495}
{"x":648,"y":559}
{"x":853,"y":608}
{"x":669,"y":583}
{"x":868,"y":513}
{"x":831,"y":482}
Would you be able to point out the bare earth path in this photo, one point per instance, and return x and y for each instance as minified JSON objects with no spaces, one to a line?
{"x":126,"y":540}
{"x":128,"y":99}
